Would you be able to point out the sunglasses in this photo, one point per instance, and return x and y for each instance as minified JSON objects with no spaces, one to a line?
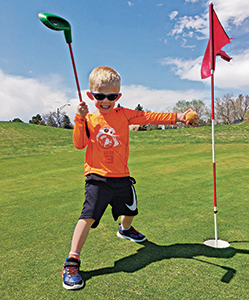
{"x":101,"y":96}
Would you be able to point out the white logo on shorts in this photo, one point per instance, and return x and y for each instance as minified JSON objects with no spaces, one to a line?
{"x":134,"y":204}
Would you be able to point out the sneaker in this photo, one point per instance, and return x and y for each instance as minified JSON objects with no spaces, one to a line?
{"x":70,"y":273}
{"x":131,"y":234}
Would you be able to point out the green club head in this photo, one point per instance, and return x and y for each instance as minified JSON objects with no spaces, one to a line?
{"x":57,"y":23}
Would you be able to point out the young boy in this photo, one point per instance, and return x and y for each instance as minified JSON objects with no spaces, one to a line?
{"x":105,"y":133}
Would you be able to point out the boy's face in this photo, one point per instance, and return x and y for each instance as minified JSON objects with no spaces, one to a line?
{"x":105,"y":105}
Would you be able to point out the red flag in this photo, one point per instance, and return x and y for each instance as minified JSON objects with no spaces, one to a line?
{"x":224,"y":56}
{"x":217,"y":39}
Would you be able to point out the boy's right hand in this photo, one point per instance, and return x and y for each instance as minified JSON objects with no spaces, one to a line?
{"x":82,"y":109}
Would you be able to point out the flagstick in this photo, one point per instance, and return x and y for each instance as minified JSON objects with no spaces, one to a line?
{"x":213,"y":243}
{"x":213,"y":157}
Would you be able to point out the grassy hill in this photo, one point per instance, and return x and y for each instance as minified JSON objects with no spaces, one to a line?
{"x":41,"y":196}
{"x":20,"y":139}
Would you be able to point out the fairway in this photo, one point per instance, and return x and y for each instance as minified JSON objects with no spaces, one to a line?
{"x":41,"y":196}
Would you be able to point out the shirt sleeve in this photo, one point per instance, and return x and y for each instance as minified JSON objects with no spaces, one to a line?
{"x":80,"y":132}
{"x":144,"y":117}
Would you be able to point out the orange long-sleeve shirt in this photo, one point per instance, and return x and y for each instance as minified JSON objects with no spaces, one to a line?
{"x":107,"y":138}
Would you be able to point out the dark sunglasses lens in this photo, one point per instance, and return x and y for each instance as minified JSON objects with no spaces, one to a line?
{"x":99,"y":96}
{"x":112,"y":97}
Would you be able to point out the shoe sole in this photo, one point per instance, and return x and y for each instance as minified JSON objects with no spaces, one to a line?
{"x":74,"y":287}
{"x":129,"y":238}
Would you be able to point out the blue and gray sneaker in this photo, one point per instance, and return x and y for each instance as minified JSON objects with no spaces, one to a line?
{"x":131,"y":234}
{"x":70,"y":273}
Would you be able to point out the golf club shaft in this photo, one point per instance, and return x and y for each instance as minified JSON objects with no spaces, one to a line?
{"x":75,"y":72}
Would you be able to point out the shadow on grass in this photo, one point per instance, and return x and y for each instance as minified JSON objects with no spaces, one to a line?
{"x":152,"y":252}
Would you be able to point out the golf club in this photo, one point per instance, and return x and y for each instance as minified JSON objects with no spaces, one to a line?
{"x":57,"y":23}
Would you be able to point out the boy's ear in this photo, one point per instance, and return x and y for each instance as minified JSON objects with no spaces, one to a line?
{"x":89,"y":95}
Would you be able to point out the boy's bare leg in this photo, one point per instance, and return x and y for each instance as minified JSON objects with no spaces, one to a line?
{"x":126,"y":221}
{"x":80,"y":235}
{"x":72,"y":280}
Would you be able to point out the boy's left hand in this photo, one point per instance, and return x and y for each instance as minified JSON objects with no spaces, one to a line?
{"x":181,"y":117}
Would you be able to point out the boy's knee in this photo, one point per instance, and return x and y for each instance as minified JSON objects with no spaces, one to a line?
{"x":89,"y":221}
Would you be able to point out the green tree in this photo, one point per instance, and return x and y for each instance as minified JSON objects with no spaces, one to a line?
{"x":66,"y":122}
{"x":50,"y":119}
{"x":198,"y":106}
{"x":17,"y":120}
{"x":229,"y":109}
{"x":36,"y":119}
{"x":139,"y":107}
{"x":246,"y":118}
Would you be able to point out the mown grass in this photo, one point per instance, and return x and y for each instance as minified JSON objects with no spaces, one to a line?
{"x":42,"y":190}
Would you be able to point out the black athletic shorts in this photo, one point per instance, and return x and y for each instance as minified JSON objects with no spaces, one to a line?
{"x":100,"y":191}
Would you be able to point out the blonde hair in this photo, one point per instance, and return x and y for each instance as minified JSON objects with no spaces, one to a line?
{"x":103,"y":75}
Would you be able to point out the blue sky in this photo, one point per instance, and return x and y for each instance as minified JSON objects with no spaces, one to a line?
{"x":157,"y":46}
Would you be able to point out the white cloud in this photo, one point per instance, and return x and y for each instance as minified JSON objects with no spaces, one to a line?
{"x":24,"y":97}
{"x":173,"y":14}
{"x":185,"y":69}
{"x":156,"y":100}
{"x":234,"y":74}
{"x":196,"y":23}
{"x":184,"y":44}
{"x":163,"y":40}
{"x":229,"y":13}
{"x":130,"y":3}
{"x":232,"y":11}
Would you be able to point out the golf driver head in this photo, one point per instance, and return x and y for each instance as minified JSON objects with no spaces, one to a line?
{"x":57,"y":23}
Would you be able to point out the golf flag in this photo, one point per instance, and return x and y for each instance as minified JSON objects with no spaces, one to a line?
{"x":217,"y":39}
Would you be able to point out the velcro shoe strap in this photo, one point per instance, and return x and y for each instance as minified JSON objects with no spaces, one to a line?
{"x":71,"y":264}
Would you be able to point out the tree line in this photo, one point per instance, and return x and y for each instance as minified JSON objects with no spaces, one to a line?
{"x":228,"y":110}
{"x":52,"y":119}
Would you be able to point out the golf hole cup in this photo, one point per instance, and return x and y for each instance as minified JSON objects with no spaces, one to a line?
{"x":192,"y":117}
